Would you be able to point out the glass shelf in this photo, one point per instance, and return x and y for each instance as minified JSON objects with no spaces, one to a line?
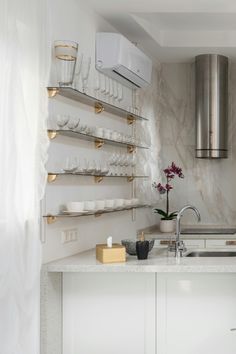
{"x":99,"y":105}
{"x":99,"y":142}
{"x":52,"y":176}
{"x":53,"y":218}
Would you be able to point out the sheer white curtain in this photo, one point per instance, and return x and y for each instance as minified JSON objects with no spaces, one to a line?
{"x":23,"y":146}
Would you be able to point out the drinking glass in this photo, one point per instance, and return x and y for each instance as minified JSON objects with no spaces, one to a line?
{"x":86,"y":64}
{"x":77,"y":74}
{"x":62,"y":120}
{"x":71,"y":164}
{"x":73,"y":123}
{"x":66,"y":55}
{"x":120,"y":92}
{"x":115,"y":90}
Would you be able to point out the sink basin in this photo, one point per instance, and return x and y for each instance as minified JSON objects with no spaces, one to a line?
{"x":211,"y":254}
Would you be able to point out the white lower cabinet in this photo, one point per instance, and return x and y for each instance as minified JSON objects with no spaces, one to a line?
{"x":139,"y":313}
{"x":108,"y":313}
{"x":196,"y":314}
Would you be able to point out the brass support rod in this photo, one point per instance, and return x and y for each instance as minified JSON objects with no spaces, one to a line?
{"x":99,"y":108}
{"x":130,"y":149}
{"x":98,"y":179}
{"x":52,"y":91}
{"x":52,"y":134}
{"x":52,"y":178}
{"x":98,"y":143}
{"x":130,"y":119}
{"x":130,"y":178}
{"x":51,"y":219}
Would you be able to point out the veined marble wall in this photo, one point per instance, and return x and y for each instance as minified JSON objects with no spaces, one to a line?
{"x":208,"y":184}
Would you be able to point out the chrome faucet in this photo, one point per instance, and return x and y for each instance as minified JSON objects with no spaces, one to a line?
{"x":179,"y":244}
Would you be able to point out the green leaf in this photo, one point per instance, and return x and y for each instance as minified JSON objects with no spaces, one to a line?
{"x":173,"y":214}
{"x":161,"y":212}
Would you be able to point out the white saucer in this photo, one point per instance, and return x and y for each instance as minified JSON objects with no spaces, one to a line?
{"x":68,"y":212}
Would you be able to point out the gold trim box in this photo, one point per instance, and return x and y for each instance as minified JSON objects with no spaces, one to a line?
{"x":114,"y":254}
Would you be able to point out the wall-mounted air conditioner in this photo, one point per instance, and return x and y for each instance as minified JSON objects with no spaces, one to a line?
{"x":120,"y":59}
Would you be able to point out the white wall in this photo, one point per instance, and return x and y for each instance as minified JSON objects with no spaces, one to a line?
{"x":72,"y":20}
{"x":208,"y":184}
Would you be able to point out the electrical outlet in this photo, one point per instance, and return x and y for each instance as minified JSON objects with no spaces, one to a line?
{"x":69,"y":235}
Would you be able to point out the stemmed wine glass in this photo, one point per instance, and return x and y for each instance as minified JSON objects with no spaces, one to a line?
{"x":62,"y":120}
{"x":85,"y":73}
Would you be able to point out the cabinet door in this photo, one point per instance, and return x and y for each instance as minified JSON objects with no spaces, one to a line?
{"x":196,"y":313}
{"x":109,"y":313}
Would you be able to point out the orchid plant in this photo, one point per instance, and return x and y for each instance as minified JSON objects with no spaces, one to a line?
{"x":170,"y":172}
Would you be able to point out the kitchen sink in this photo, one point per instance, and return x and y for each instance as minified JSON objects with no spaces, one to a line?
{"x":211,"y":254}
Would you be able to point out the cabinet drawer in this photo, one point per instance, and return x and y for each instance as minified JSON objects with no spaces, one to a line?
{"x":220,"y":243}
{"x":188,"y":243}
{"x":194,"y":243}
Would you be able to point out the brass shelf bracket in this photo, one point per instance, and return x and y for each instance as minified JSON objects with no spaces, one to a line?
{"x":51,"y":219}
{"x":52,"y":91}
{"x":98,"y":143}
{"x":52,"y":134}
{"x":130,"y":119}
{"x":52,"y":178}
{"x":130,"y":178}
{"x":131,"y":149}
{"x":99,"y":108}
{"x":98,"y":179}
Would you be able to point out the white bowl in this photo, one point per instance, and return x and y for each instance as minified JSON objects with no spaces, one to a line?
{"x":109,"y":203}
{"x":75,"y":206}
{"x":100,"y":204}
{"x":90,"y":205}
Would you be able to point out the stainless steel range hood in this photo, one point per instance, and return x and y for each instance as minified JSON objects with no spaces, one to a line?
{"x":211,"y":106}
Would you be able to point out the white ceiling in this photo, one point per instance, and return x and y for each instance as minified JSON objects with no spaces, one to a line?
{"x":174,"y":30}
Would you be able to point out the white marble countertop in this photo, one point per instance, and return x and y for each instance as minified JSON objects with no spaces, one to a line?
{"x":159,"y":261}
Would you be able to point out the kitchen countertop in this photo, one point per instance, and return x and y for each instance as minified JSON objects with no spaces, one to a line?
{"x":159,"y":261}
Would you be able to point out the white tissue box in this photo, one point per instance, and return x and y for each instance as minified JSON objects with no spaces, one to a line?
{"x":114,"y":254}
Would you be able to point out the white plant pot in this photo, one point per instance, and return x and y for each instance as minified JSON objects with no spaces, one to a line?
{"x":167,"y":225}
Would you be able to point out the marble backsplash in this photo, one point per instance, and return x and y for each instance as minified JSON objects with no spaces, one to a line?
{"x":208,"y":184}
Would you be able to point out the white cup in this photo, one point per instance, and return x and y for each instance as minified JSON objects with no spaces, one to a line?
{"x":75,"y":206}
{"x":118,"y":203}
{"x":107,"y":134}
{"x":127,"y":202}
{"x":90,"y":205}
{"x":115,"y":135}
{"x":100,"y":204}
{"x":109,"y":203}
{"x":99,"y":132}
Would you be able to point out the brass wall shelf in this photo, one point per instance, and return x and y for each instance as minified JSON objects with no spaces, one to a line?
{"x":98,"y":142}
{"x":52,"y":176}
{"x":53,"y":218}
{"x":99,"y":106}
